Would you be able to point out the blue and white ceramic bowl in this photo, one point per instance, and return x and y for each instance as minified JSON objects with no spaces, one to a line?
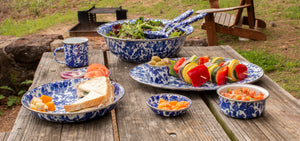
{"x":242,"y":109}
{"x":141,"y":50}
{"x":158,"y":74}
{"x":153,"y":101}
{"x":63,"y":93}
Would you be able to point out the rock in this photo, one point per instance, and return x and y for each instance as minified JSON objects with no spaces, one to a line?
{"x":9,"y":68}
{"x":55,"y":44}
{"x":19,"y":58}
{"x":273,"y":24}
{"x":30,"y":49}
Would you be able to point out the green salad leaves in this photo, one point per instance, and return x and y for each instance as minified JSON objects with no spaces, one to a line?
{"x":136,"y":30}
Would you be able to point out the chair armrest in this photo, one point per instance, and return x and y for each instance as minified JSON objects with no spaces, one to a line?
{"x":214,"y":10}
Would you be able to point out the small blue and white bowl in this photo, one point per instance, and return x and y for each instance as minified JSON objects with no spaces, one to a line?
{"x":153,"y":101}
{"x":141,"y":50}
{"x":64,"y":93}
{"x":158,"y":74}
{"x":242,"y":109}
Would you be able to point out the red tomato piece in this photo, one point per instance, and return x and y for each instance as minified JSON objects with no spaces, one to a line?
{"x":241,"y":71}
{"x":95,"y":66}
{"x":258,"y":97}
{"x":93,"y":74}
{"x":95,"y":70}
{"x":178,"y":63}
{"x":221,"y":76}
{"x":221,"y":64}
{"x":203,"y":60}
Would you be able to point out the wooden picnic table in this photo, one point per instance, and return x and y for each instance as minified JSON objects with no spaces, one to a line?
{"x":132,"y":119}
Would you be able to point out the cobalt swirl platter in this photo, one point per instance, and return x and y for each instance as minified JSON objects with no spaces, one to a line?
{"x":63,"y":93}
{"x":138,"y":73}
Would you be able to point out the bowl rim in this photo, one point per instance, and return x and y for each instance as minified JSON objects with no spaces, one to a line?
{"x":72,"y":113}
{"x":140,"y":40}
{"x":261,"y":89}
{"x":173,"y":94}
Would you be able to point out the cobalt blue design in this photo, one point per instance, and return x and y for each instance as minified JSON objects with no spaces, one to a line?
{"x":161,"y":33}
{"x":242,"y":109}
{"x":75,"y":52}
{"x":166,"y":34}
{"x":139,"y":73}
{"x":158,"y":74}
{"x":141,"y":50}
{"x":152,"y":102}
{"x":64,"y":93}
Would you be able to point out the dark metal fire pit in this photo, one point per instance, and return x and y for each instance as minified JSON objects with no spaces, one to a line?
{"x":88,"y":24}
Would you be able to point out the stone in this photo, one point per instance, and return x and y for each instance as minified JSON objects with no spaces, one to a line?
{"x":273,"y":24}
{"x":30,"y":49}
{"x":55,"y":44}
{"x":19,"y":58}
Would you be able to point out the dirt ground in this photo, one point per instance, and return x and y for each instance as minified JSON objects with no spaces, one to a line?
{"x":8,"y":118}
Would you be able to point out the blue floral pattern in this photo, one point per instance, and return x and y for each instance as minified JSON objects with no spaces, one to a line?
{"x":158,"y":74}
{"x":153,"y":101}
{"x":64,"y":93}
{"x":141,"y":50}
{"x":139,"y":73}
{"x":243,"y":110}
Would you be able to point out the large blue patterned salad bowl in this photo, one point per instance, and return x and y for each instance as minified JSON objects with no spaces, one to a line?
{"x":239,"y":108}
{"x":63,"y":93}
{"x":141,"y":50}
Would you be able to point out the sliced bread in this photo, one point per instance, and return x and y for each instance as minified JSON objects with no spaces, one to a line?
{"x":99,"y":91}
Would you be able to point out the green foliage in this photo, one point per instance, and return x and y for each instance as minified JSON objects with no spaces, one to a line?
{"x":16,"y":91}
{"x":293,"y":12}
{"x":270,"y":62}
{"x":13,"y":100}
{"x":23,"y":27}
{"x":7,"y":88}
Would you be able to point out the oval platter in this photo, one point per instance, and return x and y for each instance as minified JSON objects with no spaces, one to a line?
{"x":138,"y":73}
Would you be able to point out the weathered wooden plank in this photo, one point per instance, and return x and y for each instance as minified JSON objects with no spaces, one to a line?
{"x":4,"y":136}
{"x":137,"y":122}
{"x":281,"y":120}
{"x":28,"y":127}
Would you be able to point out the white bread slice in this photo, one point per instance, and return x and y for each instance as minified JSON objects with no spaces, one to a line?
{"x":94,"y":84}
{"x":111,"y":100}
{"x":100,"y":93}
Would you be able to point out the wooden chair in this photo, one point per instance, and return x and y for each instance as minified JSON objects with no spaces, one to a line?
{"x":217,"y":20}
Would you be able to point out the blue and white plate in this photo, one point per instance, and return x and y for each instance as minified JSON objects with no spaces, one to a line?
{"x":138,"y":73}
{"x":63,"y":93}
{"x":82,"y":70}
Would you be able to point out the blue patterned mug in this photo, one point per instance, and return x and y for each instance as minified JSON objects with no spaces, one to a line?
{"x":75,"y":52}
{"x":158,"y":74}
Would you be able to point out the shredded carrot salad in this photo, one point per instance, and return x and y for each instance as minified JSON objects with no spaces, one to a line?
{"x":244,"y":94}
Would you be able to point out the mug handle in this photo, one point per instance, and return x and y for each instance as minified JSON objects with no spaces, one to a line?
{"x":54,"y":53}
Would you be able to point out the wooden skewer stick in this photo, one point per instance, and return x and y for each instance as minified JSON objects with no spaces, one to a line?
{"x":228,"y":78}
{"x":246,"y":73}
{"x":203,"y":77}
